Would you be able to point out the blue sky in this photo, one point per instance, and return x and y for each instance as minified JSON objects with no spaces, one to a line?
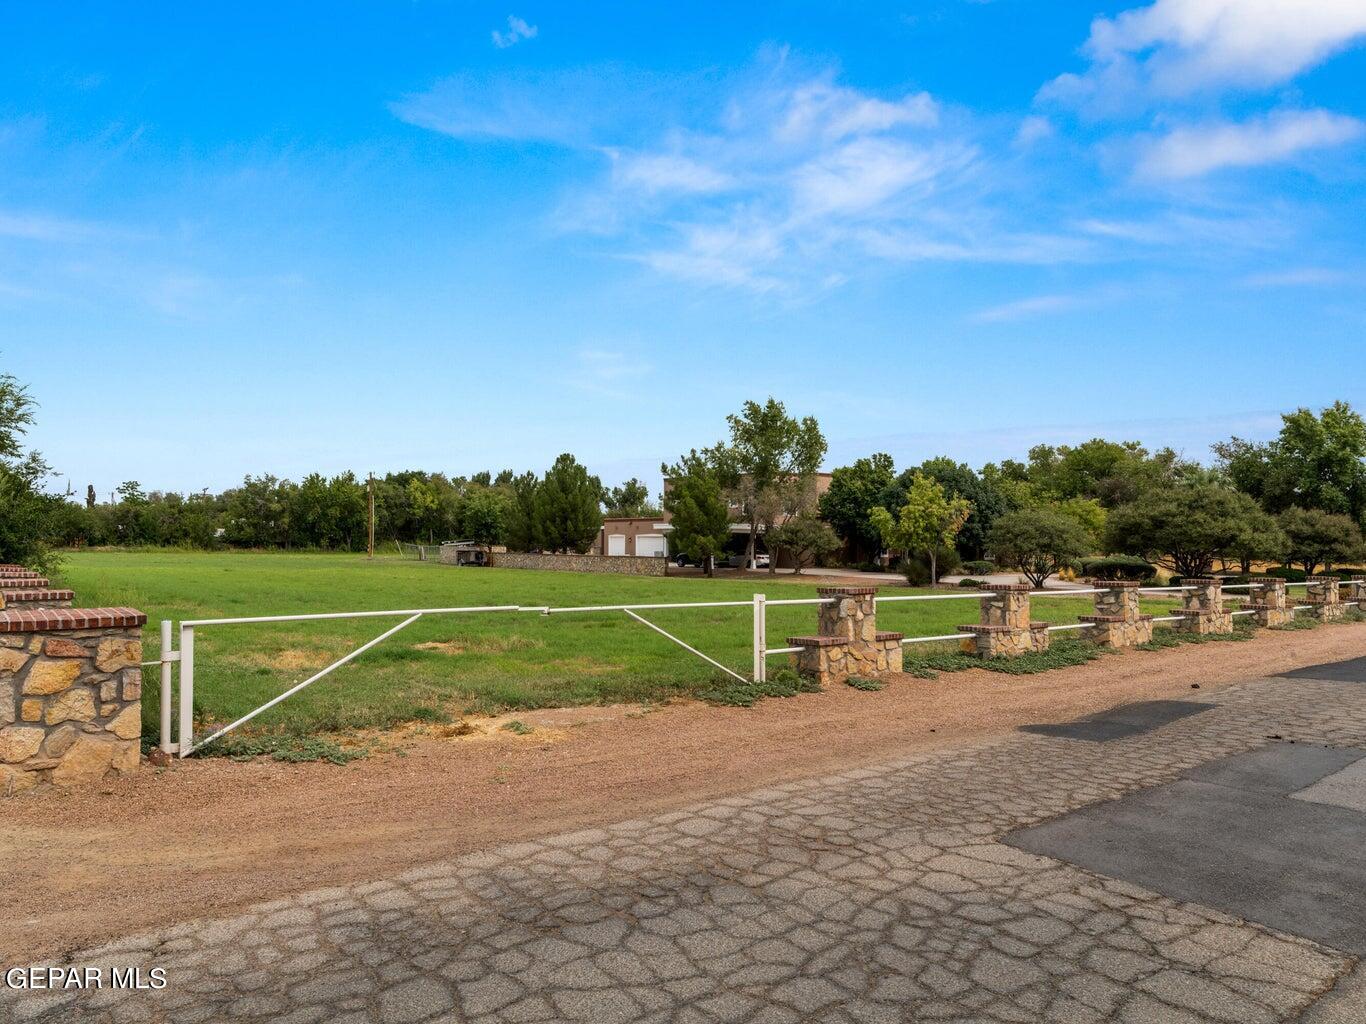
{"x":379,"y":236}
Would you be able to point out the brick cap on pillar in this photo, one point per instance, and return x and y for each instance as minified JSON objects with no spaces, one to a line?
{"x":883,"y":634}
{"x":817,"y":641}
{"x":21,"y":596}
{"x":23,"y":582}
{"x":1007,"y":588}
{"x":850,"y":591}
{"x":1112,"y":618}
{"x":977,"y":627}
{"x":1118,"y":584}
{"x":21,"y":621}
{"x":1323,"y":579}
{"x":1202,"y":579}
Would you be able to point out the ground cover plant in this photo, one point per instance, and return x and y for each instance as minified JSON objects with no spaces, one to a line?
{"x":449,"y":665}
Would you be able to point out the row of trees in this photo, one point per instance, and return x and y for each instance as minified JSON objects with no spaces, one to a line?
{"x":1300,"y":498}
{"x":562,"y":510}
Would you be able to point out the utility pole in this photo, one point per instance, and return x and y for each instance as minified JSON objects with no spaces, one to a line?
{"x":371,"y":488}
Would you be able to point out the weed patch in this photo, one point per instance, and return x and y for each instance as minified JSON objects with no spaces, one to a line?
{"x":1060,"y":654}
{"x":783,"y":682}
{"x":517,"y":727}
{"x":863,"y":683}
{"x":280,"y":747}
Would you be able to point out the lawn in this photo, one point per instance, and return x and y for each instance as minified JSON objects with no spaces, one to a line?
{"x":450,"y":664}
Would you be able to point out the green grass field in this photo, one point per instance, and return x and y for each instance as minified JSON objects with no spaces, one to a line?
{"x":450,"y":664}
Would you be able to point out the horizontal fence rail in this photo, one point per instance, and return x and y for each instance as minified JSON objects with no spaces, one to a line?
{"x":183,"y":653}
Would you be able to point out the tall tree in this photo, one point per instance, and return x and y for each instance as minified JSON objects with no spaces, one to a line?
{"x":568,"y":507}
{"x":769,"y":465}
{"x":521,"y":519}
{"x":927,"y":520}
{"x":630,"y":500}
{"x":854,"y":491}
{"x":1315,"y":462}
{"x":697,"y":510}
{"x":24,"y":510}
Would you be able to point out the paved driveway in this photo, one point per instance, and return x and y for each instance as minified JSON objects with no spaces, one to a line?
{"x":881,"y":894}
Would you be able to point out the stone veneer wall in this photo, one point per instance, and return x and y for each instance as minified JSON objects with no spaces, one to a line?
{"x":1202,"y":608}
{"x":70,"y":695}
{"x":624,"y":565}
{"x":1324,"y":596}
{"x":1269,"y":602}
{"x":848,"y":641}
{"x":1118,"y":621}
{"x":1005,"y":629}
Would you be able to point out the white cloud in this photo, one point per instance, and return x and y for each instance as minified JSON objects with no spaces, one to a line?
{"x":1194,"y":150}
{"x":35,"y":227}
{"x":1296,"y":278}
{"x":1172,"y":48}
{"x":820,"y":109}
{"x":1033,"y":129}
{"x":668,"y":172}
{"x":1023,"y":308}
{"x":867,"y":172}
{"x":517,"y":31}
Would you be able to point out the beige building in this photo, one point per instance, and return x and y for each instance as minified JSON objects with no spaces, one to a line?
{"x":641,"y":536}
{"x":648,"y":535}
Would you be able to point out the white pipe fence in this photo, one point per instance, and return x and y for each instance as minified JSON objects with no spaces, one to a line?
{"x":183,"y":653}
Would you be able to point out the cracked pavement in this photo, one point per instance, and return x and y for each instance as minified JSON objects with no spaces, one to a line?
{"x":877,"y":894}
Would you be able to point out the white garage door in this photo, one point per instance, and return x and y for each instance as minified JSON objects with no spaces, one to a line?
{"x":616,"y":543}
{"x":650,"y":544}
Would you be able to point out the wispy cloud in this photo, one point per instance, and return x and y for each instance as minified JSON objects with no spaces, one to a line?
{"x":1298,"y":277}
{"x":1024,"y":308}
{"x":35,"y":227}
{"x":1195,"y":150}
{"x":608,"y":373}
{"x":517,"y":30}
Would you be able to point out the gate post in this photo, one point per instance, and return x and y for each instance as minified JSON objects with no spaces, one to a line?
{"x":760,"y":638}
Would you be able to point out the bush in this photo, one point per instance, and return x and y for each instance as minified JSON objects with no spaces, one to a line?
{"x":1117,"y":567}
{"x":980,"y":567}
{"x":917,"y":568}
{"x":968,"y":583}
{"x":1287,"y":573}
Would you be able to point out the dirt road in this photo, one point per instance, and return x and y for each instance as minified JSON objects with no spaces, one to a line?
{"x":208,"y":836}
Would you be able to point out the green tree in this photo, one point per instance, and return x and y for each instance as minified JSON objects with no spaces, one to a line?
{"x":568,"y":507}
{"x":1182,"y":528}
{"x":521,"y":516}
{"x":630,"y":500}
{"x":697,"y":510}
{"x":1038,"y":541}
{"x":928,"y":519}
{"x":484,"y":515}
{"x":1113,"y":473}
{"x":769,"y":465}
{"x":959,"y":481}
{"x":1315,"y":462}
{"x":804,"y":537}
{"x":25,"y":512}
{"x":1316,"y":537}
{"x":1260,"y":539}
{"x":854,"y":491}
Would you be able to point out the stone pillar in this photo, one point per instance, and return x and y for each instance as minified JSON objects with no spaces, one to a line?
{"x":1356,"y":590}
{"x":1118,"y":621}
{"x":1203,"y":606}
{"x":1005,"y":629}
{"x":70,"y":695}
{"x":848,"y":641}
{"x":1324,"y":596}
{"x":1267,"y":598}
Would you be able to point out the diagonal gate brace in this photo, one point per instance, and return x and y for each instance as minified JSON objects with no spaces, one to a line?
{"x":693,"y":650}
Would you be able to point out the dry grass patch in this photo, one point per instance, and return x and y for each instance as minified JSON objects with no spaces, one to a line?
{"x":480,"y":644}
